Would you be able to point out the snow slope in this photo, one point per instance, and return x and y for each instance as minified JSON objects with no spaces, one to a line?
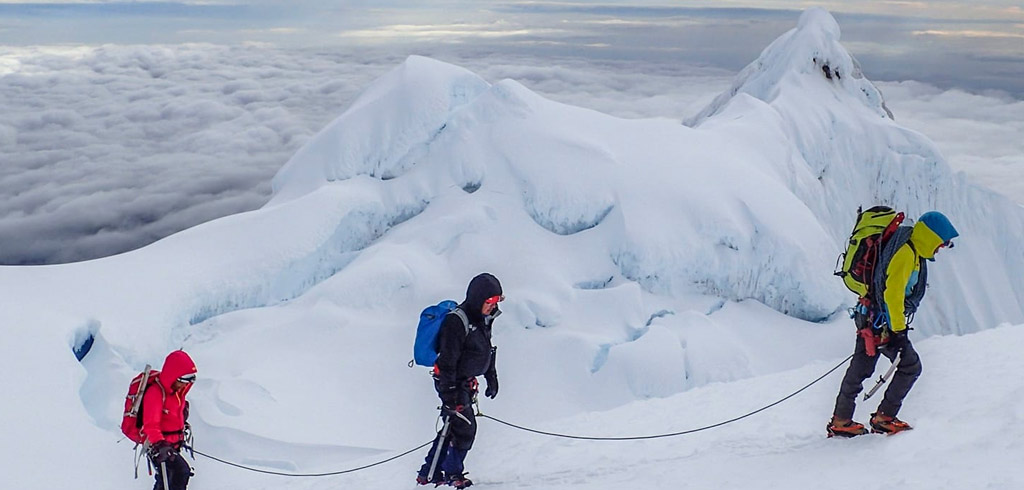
{"x":650,"y":268}
{"x":967,"y":435}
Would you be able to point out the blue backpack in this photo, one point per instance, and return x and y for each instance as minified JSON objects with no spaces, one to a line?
{"x":425,"y":348}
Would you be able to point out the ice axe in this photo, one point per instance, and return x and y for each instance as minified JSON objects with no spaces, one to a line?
{"x":439,"y":447}
{"x":441,"y":438}
{"x":163,"y":473}
{"x":463,"y":417}
{"x":885,"y":377}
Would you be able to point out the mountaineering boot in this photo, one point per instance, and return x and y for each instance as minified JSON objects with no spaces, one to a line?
{"x":884,"y":424}
{"x":459,"y":480}
{"x":845,"y":428}
{"x":437,"y":481}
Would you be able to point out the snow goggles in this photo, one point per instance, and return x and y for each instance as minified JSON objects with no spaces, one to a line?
{"x":188,"y":378}
{"x":493,"y":300}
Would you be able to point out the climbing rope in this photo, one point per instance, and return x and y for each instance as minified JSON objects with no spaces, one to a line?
{"x":670,"y":434}
{"x":331,"y":473}
{"x":535,"y":431}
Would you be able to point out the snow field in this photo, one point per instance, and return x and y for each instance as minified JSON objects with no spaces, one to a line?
{"x":966,"y":433}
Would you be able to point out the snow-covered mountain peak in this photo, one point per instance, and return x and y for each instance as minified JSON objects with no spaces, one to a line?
{"x":818,"y":19}
{"x":383,"y":131}
{"x":808,"y":60}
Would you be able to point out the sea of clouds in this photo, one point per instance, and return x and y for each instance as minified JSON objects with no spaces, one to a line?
{"x":108,"y":148}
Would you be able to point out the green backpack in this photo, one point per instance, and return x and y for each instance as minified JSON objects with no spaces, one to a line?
{"x":872,"y":230}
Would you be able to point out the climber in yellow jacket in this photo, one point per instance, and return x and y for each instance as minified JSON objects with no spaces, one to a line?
{"x":897,"y":292}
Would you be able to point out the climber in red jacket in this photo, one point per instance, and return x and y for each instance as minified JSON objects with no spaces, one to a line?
{"x":164,"y":412}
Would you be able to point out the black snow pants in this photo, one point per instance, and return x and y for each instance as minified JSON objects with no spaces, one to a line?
{"x":862,"y":366}
{"x":178,"y":473}
{"x":461,"y":434}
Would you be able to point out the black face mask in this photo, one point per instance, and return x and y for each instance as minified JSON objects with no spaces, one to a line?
{"x":494,"y":314}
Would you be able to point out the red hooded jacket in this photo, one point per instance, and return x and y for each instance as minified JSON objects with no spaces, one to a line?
{"x":166,"y":421}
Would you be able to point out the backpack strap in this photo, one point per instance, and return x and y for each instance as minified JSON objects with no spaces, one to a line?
{"x":899,"y":238}
{"x":156,"y":380}
{"x":913,"y":300}
{"x":462,"y":316}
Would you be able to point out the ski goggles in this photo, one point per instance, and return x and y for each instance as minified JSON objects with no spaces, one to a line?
{"x":493,"y":300}
{"x":188,"y":378}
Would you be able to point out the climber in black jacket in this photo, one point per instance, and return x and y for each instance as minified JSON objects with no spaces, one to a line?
{"x":465,"y":352}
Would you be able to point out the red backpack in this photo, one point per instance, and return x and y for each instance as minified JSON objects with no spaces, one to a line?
{"x":131,"y":424}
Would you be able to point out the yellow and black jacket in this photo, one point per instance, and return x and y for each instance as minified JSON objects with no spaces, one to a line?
{"x":906,"y":275}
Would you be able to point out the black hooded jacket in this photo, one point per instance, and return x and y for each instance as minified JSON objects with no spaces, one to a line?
{"x":466,"y":354}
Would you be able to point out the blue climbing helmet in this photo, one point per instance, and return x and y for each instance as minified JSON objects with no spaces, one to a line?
{"x":940,"y":224}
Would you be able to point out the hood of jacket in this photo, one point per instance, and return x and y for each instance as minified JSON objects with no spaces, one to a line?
{"x":482,"y":286}
{"x":177,"y":364}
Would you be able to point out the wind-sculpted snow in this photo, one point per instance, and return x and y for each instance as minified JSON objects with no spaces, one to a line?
{"x":354,"y":232}
{"x":573,"y":168}
{"x":639,"y":258}
{"x":386,"y":130}
{"x":557,"y":193}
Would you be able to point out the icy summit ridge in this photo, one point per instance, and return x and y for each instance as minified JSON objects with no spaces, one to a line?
{"x":811,"y":51}
{"x":392,"y":124}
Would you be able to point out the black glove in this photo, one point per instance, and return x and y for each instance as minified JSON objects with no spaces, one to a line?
{"x":898,"y":340}
{"x":492,"y":385}
{"x":450,"y":399}
{"x":491,"y":376}
{"x":161,"y":452}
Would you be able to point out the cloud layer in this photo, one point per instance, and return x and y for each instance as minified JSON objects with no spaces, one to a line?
{"x":106,"y":149}
{"x":981,"y":135}
{"x":973,"y":45}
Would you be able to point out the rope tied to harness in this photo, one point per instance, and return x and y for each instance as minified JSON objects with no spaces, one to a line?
{"x":669,"y":434}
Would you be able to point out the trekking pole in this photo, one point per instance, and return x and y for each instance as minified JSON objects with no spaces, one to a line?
{"x":163,"y":473}
{"x":437,"y":451}
{"x":882,"y":379}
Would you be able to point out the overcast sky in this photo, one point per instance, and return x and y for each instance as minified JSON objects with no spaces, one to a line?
{"x":125,"y":122}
